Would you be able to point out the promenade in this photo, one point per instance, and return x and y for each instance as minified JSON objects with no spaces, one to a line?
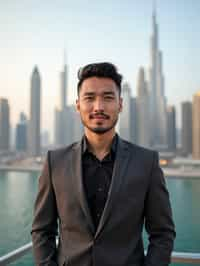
{"x":169,"y":172}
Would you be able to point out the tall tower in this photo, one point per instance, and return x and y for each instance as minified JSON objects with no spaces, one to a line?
{"x":171,"y":128}
{"x":142,"y":107}
{"x":158,"y":111}
{"x":63,"y":79}
{"x":35,"y":106}
{"x":21,"y":133}
{"x":196,"y":126}
{"x":63,"y":120}
{"x":4,"y":125}
{"x":186,"y":134}
{"x":133,"y":122}
{"x":125,"y":116}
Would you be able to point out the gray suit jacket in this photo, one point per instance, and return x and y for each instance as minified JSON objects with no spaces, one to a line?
{"x":137,"y":196}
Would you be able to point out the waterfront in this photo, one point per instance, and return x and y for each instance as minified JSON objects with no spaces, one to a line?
{"x":17,"y":195}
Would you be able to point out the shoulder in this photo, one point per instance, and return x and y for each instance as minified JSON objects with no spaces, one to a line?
{"x":60,"y":153}
{"x":139,"y":150}
{"x":144,"y":157}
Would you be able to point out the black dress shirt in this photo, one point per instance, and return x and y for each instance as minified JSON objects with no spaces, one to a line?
{"x":97,"y":175}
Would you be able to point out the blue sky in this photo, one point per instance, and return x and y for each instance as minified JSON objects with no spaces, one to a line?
{"x":36,"y":32}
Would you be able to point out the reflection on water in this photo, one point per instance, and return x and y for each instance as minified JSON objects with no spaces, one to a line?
{"x":17,"y":196}
{"x":185,"y":198}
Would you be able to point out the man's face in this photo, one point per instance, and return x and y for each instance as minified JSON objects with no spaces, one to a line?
{"x":99,"y":104}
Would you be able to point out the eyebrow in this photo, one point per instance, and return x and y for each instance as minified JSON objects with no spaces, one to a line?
{"x":93,"y":93}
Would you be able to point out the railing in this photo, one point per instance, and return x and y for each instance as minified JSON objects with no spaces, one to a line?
{"x":177,"y":257}
{"x":15,"y":255}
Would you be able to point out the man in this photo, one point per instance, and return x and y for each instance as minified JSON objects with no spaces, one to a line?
{"x":100,"y":191}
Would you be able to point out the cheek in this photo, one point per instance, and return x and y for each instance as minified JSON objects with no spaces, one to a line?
{"x":115,"y":109}
{"x":85,"y":108}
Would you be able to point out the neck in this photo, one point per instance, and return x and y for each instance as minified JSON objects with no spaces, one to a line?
{"x":100,"y":144}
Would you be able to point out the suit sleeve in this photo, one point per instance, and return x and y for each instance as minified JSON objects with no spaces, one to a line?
{"x":158,"y":219}
{"x":44,"y":227}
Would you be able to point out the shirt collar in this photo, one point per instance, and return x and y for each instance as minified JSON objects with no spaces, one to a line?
{"x":113,"y":145}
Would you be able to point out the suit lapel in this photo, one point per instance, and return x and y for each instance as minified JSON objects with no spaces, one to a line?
{"x":76,"y":165}
{"x":120,"y":166}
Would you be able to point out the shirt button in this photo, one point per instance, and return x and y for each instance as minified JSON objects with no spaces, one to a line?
{"x":100,"y":189}
{"x":98,"y":214}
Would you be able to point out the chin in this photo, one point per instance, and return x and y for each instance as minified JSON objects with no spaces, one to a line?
{"x":100,"y":130}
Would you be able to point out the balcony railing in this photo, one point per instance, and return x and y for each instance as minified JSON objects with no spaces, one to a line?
{"x":177,"y":257}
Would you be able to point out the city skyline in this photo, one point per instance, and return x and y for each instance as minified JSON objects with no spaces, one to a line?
{"x":89,"y":37}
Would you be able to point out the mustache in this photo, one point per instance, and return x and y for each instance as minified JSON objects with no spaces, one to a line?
{"x":99,"y":114}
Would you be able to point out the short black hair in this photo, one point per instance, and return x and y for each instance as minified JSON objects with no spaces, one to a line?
{"x":100,"y":70}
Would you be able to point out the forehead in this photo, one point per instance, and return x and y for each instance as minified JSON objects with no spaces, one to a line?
{"x":98,"y":85}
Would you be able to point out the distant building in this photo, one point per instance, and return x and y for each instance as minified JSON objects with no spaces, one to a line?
{"x":125,"y":116}
{"x":196,"y":126}
{"x":68,"y":126}
{"x":63,"y":86}
{"x":78,"y":129}
{"x":4,"y":125}
{"x":142,"y":110}
{"x":158,"y":112}
{"x":133,"y":122}
{"x":63,"y":126}
{"x":186,"y":133}
{"x":34,"y":127}
{"x":57,"y":127}
{"x":171,"y":128}
{"x":45,"y":139}
{"x":62,"y":115}
{"x":21,"y":133}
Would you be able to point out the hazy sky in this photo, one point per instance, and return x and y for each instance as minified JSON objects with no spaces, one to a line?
{"x":36,"y":32}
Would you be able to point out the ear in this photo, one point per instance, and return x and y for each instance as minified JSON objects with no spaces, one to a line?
{"x":120,"y":104}
{"x":77,"y":105}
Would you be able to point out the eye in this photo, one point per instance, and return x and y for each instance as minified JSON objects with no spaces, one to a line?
{"x":109,"y":97}
{"x":88,"y":98}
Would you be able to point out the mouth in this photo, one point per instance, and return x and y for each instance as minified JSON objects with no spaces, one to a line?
{"x":99,"y":117}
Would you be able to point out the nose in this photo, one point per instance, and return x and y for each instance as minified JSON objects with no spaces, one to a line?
{"x":98,"y":105}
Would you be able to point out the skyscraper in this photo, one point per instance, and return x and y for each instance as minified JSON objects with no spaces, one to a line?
{"x":21,"y":133}
{"x":196,"y":126}
{"x":45,"y":139}
{"x":171,"y":128}
{"x":186,"y":134}
{"x":57,"y":127}
{"x":133,"y":122}
{"x":4,"y":125}
{"x":35,"y":114}
{"x":158,"y":113}
{"x":63,"y":126}
{"x":78,"y":128}
{"x":125,"y":116}
{"x":142,"y":110}
{"x":63,"y":81}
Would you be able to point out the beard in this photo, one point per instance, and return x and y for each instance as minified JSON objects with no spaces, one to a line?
{"x":100,"y":129}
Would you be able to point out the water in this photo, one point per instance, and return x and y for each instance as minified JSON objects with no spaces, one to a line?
{"x":17,"y":195}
